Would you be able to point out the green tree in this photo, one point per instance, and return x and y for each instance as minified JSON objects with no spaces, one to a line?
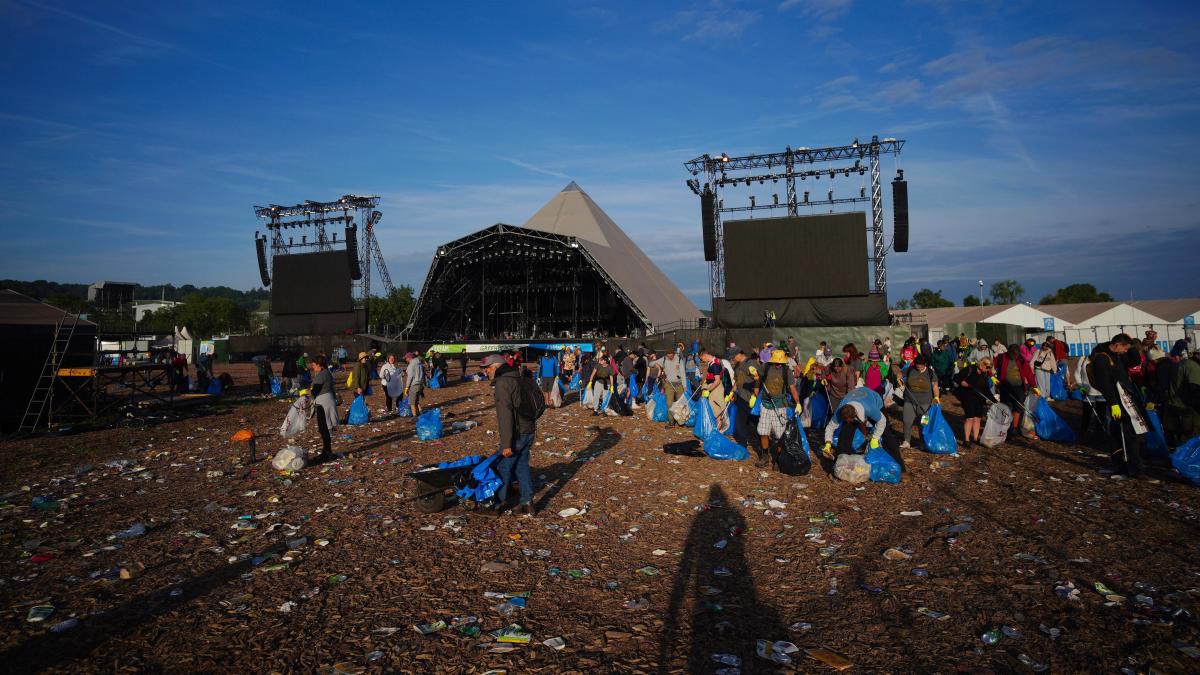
{"x":393,"y":310}
{"x":973,"y":301}
{"x":928,"y":299}
{"x":1007,"y":292}
{"x":1076,"y":293}
{"x":903,"y":303}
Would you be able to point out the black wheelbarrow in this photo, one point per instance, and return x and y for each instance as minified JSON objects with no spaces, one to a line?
{"x":471,"y":479}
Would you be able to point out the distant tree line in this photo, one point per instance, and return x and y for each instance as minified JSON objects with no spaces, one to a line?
{"x":1007,"y":292}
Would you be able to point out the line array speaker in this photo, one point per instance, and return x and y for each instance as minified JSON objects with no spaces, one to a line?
{"x":708,"y":222}
{"x":352,"y":251}
{"x":261,"y":243}
{"x":900,"y":212}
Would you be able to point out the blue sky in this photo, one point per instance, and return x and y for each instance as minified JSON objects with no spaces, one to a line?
{"x":1048,"y":142}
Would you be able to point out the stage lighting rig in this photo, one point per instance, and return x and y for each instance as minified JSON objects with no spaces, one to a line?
{"x":725,"y":172}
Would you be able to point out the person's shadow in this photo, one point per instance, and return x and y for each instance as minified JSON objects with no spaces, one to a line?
{"x":561,"y":473}
{"x":700,"y":622}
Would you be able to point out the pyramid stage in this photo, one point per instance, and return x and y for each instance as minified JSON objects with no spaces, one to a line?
{"x":567,"y":273}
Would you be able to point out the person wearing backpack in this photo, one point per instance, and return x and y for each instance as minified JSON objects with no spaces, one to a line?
{"x":772,"y":386}
{"x":1015,"y":379}
{"x":517,"y":400}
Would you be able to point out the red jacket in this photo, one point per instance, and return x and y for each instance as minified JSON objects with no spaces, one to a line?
{"x":1060,"y":349}
{"x":1022,"y":365}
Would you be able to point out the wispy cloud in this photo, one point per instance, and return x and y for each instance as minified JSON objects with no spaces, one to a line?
{"x":716,"y":22}
{"x":821,"y":10}
{"x":115,"y":30}
{"x":533,"y":167}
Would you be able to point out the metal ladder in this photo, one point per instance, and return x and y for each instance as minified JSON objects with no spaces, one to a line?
{"x":44,"y":391}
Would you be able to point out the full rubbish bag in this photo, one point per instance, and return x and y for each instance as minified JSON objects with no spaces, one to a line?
{"x":359,"y":414}
{"x":718,"y":446}
{"x":214,"y":387}
{"x":1049,"y":426}
{"x":884,"y":468}
{"x":429,"y":425}
{"x":852,"y":468}
{"x":276,"y":387}
{"x":403,"y":409}
{"x":681,"y":411}
{"x":995,"y":431}
{"x":1186,"y":460}
{"x":659,"y":412}
{"x":793,"y":459}
{"x":706,"y":422}
{"x":296,"y":418}
{"x":575,"y":383}
{"x":1156,"y":441}
{"x":1058,"y":388}
{"x":290,"y":458}
{"x":818,"y":408}
{"x":556,"y":397}
{"x":937,"y":434}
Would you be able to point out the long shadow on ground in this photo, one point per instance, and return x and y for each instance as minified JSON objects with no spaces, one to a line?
{"x":728,"y":622}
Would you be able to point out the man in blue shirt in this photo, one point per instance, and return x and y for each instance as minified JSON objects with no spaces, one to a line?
{"x":547,"y":373}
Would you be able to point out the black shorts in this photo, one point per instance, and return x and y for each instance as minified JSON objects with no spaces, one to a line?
{"x":545,"y":383}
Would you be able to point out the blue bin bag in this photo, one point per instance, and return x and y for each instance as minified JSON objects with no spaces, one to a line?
{"x":575,"y":383}
{"x":276,"y":387}
{"x":706,"y":422}
{"x":1156,"y":442}
{"x":429,"y":425}
{"x":661,"y":413}
{"x":718,"y":446}
{"x":884,"y":469}
{"x":435,"y":382}
{"x":731,"y":416}
{"x":604,"y":404}
{"x":214,"y":387}
{"x":359,"y":414}
{"x":1058,"y":390}
{"x":860,"y":441}
{"x":403,"y":409}
{"x":1075,"y":394}
{"x":633,"y":390}
{"x":487,"y":482}
{"x":1049,"y":426}
{"x":756,"y":409}
{"x":1186,"y":460}
{"x":937,"y":434}
{"x":819,"y":410}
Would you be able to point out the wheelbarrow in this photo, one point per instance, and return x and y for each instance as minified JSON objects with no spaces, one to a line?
{"x":470,"y":478}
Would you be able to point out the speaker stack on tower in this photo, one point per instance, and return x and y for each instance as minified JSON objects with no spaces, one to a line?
{"x":900,"y":212}
{"x":709,"y":223}
{"x":261,"y":243}
{"x":352,"y":251}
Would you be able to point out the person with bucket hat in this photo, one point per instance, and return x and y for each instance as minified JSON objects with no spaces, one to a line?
{"x":360,"y":375}
{"x":770,"y":390}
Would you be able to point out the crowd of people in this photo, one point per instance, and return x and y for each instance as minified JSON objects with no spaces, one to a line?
{"x":755,"y":393}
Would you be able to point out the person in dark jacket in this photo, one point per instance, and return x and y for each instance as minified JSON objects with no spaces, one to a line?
{"x":515,"y":430}
{"x":1110,"y":374}
{"x":289,"y":370}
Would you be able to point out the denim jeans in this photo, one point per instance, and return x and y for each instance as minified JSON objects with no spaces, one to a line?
{"x":518,"y":463}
